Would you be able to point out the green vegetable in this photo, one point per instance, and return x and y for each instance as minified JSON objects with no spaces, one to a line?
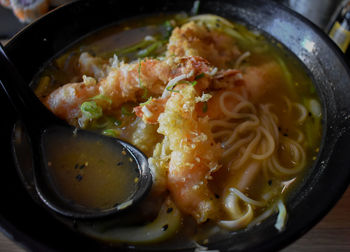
{"x":146,"y":102}
{"x":235,"y":34}
{"x":150,"y":49}
{"x":199,"y":76}
{"x":205,"y":107}
{"x":139,"y":72}
{"x":162,"y":228}
{"x":111,"y":133}
{"x":193,"y":83}
{"x":171,"y":88}
{"x":102,"y":97}
{"x":134,"y":47}
{"x":104,"y":122}
{"x":168,"y":29}
{"x":145,"y":93}
{"x":91,"y":110}
{"x":243,"y":37}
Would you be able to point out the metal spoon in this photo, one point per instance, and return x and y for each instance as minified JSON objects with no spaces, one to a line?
{"x":41,"y":124}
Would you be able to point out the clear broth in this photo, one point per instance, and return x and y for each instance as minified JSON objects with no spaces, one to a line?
{"x":89,"y":172}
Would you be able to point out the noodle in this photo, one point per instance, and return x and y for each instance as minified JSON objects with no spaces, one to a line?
{"x":240,"y":222}
{"x":251,"y":133}
{"x":261,"y":131}
{"x":303,"y":112}
{"x":241,"y":59}
{"x":245,"y":198}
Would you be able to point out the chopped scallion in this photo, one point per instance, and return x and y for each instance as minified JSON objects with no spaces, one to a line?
{"x":171,"y":88}
{"x":146,"y":102}
{"x":193,"y":83}
{"x":102,"y":97}
{"x":91,"y":110}
{"x":148,"y":50}
{"x":139,"y":72}
{"x":134,"y":47}
{"x":145,"y":93}
{"x":104,"y":122}
{"x":205,"y":107}
{"x":110,"y":132}
{"x":199,"y":76}
{"x":168,"y":29}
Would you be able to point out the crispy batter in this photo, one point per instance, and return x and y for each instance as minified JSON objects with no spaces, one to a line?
{"x":196,"y":40}
{"x":194,"y":155}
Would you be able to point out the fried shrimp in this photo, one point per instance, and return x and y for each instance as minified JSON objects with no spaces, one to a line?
{"x":93,"y":66}
{"x":193,"y":39}
{"x":127,"y":82}
{"x":194,"y":155}
{"x":65,"y":101}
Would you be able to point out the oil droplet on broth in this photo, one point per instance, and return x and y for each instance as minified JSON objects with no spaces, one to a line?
{"x":87,"y":171}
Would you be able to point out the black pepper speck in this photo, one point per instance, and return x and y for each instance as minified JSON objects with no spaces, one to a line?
{"x":79,"y":177}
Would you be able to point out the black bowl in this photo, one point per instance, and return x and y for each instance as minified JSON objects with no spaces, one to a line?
{"x":29,"y":224}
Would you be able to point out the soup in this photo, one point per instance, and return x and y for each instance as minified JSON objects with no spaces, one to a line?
{"x":88,"y":172}
{"x":228,"y":118}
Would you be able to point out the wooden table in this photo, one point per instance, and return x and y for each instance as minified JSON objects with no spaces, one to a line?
{"x":331,"y":234}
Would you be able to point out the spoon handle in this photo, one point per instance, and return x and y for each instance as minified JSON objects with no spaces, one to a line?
{"x":29,"y":107}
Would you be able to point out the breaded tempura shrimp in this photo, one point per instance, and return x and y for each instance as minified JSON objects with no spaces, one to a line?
{"x":93,"y":66}
{"x":194,"y":155}
{"x":126,"y":83}
{"x":65,"y":101}
{"x":261,"y":79}
{"x":130,"y":81}
{"x":225,"y":79}
{"x":219,"y":49}
{"x":197,"y":40}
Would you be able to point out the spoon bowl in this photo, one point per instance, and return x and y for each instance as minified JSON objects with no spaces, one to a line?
{"x":51,"y":137}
